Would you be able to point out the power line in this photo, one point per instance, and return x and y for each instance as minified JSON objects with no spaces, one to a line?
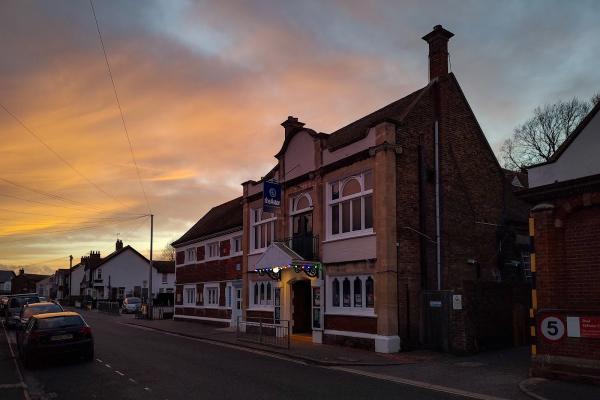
{"x":39,"y":202}
{"x":137,"y":170}
{"x":62,"y":216}
{"x":61,"y":158}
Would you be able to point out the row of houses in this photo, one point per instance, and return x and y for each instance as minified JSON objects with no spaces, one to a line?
{"x":123,"y":273}
{"x":398,"y":230}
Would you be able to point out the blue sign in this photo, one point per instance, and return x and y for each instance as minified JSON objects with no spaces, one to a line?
{"x":271,"y":196}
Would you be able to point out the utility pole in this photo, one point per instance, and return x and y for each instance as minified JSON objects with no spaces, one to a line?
{"x":70,"y":277}
{"x":150,"y":280}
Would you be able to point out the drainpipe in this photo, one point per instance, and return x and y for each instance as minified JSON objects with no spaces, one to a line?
{"x":437,"y":208}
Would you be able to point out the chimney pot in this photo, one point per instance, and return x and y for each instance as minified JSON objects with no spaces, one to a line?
{"x":438,"y":51}
{"x":119,"y":245}
{"x":291,"y":126}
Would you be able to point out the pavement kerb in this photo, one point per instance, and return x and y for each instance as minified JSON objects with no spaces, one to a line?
{"x":308,"y":360}
{"x":523,"y":388}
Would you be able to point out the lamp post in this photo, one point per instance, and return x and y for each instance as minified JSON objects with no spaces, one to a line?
{"x":70,"y":277}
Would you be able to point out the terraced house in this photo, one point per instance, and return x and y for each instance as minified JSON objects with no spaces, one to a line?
{"x":209,"y":267}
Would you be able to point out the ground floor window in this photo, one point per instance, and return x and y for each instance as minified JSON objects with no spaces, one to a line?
{"x":261,"y":293}
{"x":351,"y":293}
{"x":189,"y":297}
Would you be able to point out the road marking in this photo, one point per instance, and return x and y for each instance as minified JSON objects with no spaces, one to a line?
{"x":99,"y":360}
{"x":18,"y":369}
{"x":12,"y":385}
{"x":119,"y":373}
{"x":107,"y":365}
{"x":419,"y":384}
{"x":132,"y":380}
{"x":147,"y":389}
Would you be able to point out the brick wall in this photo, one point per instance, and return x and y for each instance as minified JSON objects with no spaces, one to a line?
{"x":210,"y":271}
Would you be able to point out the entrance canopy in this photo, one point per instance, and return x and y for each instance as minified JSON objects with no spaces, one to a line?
{"x":279,"y":256}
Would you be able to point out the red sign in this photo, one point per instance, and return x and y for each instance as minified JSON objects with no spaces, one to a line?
{"x":589,"y":327}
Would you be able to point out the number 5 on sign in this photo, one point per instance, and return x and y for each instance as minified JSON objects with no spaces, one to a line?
{"x":552,"y":328}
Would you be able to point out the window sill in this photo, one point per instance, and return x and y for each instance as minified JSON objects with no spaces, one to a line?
{"x":338,"y":238}
{"x":350,"y":313}
{"x":261,"y":308}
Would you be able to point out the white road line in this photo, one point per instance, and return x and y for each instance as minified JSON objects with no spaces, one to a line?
{"x":12,"y":386}
{"x":132,"y":380}
{"x":107,"y":365}
{"x":119,"y":373}
{"x":147,"y":389}
{"x":18,"y":369}
{"x":99,"y":360}
{"x":422,"y":385}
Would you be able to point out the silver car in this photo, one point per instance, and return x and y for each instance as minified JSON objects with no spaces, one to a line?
{"x":15,"y":303}
{"x":29,"y":310}
{"x":131,"y":305}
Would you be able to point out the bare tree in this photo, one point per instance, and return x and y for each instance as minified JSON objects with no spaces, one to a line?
{"x":540,"y":136}
{"x":168,"y":252}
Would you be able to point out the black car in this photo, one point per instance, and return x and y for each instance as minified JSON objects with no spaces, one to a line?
{"x":53,"y":335}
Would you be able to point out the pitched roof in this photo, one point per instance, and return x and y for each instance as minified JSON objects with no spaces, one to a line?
{"x":571,"y":138}
{"x":6,"y":275}
{"x":34,"y":277}
{"x":164,"y":267}
{"x":223,"y":217}
{"x":116,"y":253}
{"x":359,"y":128}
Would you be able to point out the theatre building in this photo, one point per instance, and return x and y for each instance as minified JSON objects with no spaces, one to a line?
{"x":208,"y":267}
{"x":376,"y":235}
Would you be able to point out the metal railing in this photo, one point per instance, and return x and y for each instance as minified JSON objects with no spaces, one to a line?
{"x":264,"y":331}
{"x":306,"y":246}
{"x":109,"y":307}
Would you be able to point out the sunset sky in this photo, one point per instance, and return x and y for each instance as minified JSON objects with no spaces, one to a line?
{"x":205,"y":85}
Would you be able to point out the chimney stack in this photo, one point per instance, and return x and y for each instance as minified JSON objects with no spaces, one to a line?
{"x":22,"y":271}
{"x":119,"y":245}
{"x":438,"y":51}
{"x":291,"y":126}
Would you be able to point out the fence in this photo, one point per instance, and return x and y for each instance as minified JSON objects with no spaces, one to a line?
{"x":264,"y":331}
{"x":158,"y":312}
{"x":109,"y":307}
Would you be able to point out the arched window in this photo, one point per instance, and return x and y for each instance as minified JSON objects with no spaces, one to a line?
{"x":262,"y":292}
{"x":256,"y":293}
{"x":302,"y":202}
{"x":269,"y":293}
{"x":358,"y":292}
{"x":346,"y":292}
{"x":335,"y":290}
{"x":351,"y":205}
{"x":370,"y":292}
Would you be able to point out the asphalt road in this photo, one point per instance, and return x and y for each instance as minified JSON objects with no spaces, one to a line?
{"x":132,"y":363}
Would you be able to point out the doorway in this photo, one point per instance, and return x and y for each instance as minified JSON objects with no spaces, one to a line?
{"x":236,"y":307}
{"x":301,"y":306}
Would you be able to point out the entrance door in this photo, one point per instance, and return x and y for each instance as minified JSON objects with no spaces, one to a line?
{"x":302,"y":239}
{"x":236,"y":307}
{"x":301,"y":304}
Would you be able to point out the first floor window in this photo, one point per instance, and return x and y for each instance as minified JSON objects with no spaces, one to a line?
{"x":190,"y":255}
{"x":262,"y":231}
{"x":164,"y":278}
{"x":213,"y":250}
{"x":237,"y":244}
{"x":351,"y":205}
{"x":351,"y":293}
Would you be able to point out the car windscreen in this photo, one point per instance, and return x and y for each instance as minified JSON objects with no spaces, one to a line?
{"x":41,"y":309}
{"x":133,"y":300}
{"x":59,"y":322}
{"x":20,"y":301}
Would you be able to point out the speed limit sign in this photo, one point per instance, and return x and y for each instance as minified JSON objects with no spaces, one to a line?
{"x":552,"y":327}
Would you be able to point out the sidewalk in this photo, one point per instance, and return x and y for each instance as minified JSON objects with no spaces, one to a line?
{"x":11,"y":385}
{"x":300,"y":349}
{"x":544,"y":389}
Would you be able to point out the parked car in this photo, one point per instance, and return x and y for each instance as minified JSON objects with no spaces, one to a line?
{"x":55,"y":334}
{"x":29,"y":310}
{"x":131,"y":305}
{"x":12,"y":315}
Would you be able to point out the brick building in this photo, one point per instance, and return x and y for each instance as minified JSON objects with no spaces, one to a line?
{"x":391,"y":230}
{"x":26,"y":283}
{"x":208,"y":267}
{"x":565,"y":225}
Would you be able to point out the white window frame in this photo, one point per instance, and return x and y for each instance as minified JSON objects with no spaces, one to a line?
{"x":330,"y":203}
{"x":352,"y":310}
{"x":189,"y":290}
{"x":211,"y":295}
{"x":234,"y":245}
{"x":190,"y":255}
{"x":212,"y":251}
{"x":260,"y":224}
{"x":165,"y":278}
{"x":99,"y":273}
{"x":263,"y":303}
